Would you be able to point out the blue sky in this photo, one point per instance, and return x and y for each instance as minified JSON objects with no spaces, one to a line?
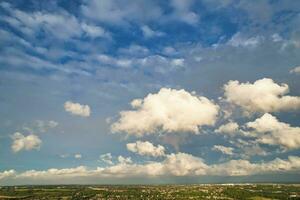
{"x":149,"y":91}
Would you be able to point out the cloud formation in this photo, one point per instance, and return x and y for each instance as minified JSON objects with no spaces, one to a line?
{"x":107,"y":158}
{"x":263,"y":95}
{"x":148,"y":32}
{"x":239,"y":40}
{"x":124,"y":160}
{"x":223,"y":149}
{"x":230,"y":128}
{"x":169,"y":110}
{"x":268,"y":130}
{"x":21,"y":142}
{"x":40,"y":126}
{"x":296,"y":70}
{"x":77,"y":109}
{"x":174,"y":165}
{"x":31,"y":23}
{"x":7,"y":173}
{"x":146,"y":149}
{"x":120,"y":13}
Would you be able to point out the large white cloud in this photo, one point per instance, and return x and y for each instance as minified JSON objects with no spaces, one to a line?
{"x":77,"y":109}
{"x":146,"y":149}
{"x":263,"y":95}
{"x":268,"y":130}
{"x":180,"y":164}
{"x":7,"y":174}
{"x":169,"y":110}
{"x":21,"y":142}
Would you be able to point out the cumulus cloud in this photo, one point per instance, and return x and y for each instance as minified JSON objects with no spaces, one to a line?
{"x":230,"y":128}
{"x":77,"y":109}
{"x":263,"y":95}
{"x":21,"y":142}
{"x":296,"y":70}
{"x":268,"y":130}
{"x":223,"y":149}
{"x":169,"y":110}
{"x":124,"y":160}
{"x":180,"y":164}
{"x":107,"y":158}
{"x":146,"y":149}
{"x":244,"y":167}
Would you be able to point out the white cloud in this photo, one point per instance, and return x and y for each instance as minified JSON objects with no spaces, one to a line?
{"x":107,"y":158}
{"x":77,"y":109}
{"x":180,"y":164}
{"x":21,"y":142}
{"x":276,"y":37}
{"x":139,"y":12}
{"x":146,"y":149}
{"x":230,"y":128}
{"x":182,"y":11}
{"x":159,"y":64}
{"x":148,"y":32}
{"x":134,"y":50}
{"x":268,"y":130}
{"x":94,"y":31}
{"x":239,"y":40}
{"x":296,"y":70}
{"x":40,"y":126}
{"x":53,"y":173}
{"x":249,"y":148}
{"x":30,"y":23}
{"x":169,"y":110}
{"x":244,"y":167}
{"x":78,"y":156}
{"x":124,"y":160}
{"x":7,"y":174}
{"x":223,"y":149}
{"x":169,"y":51}
{"x":119,"y":12}
{"x":64,"y":155}
{"x":178,"y":62}
{"x":263,"y":95}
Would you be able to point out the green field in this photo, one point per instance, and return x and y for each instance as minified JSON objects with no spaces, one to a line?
{"x":209,"y":191}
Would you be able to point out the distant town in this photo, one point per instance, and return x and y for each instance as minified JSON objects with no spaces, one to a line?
{"x":203,"y":191}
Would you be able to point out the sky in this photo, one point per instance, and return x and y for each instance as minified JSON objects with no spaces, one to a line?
{"x":149,"y":92}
